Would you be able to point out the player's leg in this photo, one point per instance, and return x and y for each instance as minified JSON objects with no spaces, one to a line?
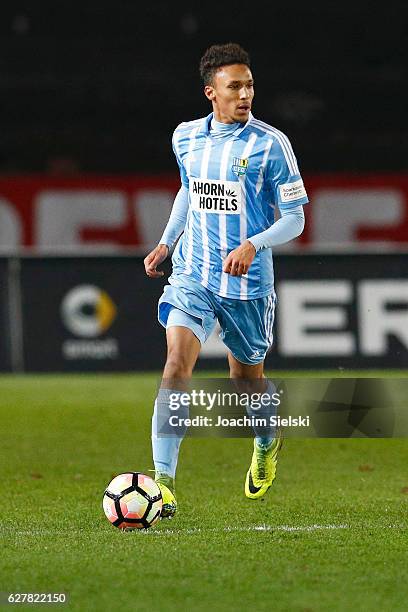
{"x":183,"y":348}
{"x":186,"y":311}
{"x":245,"y":371}
{"x":255,"y":372}
{"x":262,"y":471}
{"x":247,"y":331}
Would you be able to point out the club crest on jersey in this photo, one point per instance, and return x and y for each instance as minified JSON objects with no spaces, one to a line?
{"x":239,"y":166}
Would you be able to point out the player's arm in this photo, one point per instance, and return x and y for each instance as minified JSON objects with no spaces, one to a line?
{"x":177,"y":221}
{"x":288,"y":227}
{"x":174,"y":228}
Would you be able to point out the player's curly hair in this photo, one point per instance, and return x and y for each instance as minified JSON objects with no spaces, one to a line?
{"x":221,"y":55}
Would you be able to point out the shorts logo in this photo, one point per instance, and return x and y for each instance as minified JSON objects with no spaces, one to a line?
{"x":239,"y":166}
{"x":214,"y":196}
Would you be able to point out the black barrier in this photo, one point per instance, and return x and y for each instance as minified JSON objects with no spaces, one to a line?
{"x":341,"y":311}
{"x":86,"y":314}
{"x":5,"y":340}
{"x":99,"y":313}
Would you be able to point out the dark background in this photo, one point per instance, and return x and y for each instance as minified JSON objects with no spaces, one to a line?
{"x":100,"y":86}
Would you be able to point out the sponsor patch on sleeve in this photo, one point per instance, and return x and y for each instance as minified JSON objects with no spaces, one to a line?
{"x":292,"y":191}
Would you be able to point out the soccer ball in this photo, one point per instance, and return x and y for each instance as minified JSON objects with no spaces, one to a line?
{"x":132,"y":501}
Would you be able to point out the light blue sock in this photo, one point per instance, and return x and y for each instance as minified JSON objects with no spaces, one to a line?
{"x":264,"y":443}
{"x":165,"y":440}
{"x":265,"y":436}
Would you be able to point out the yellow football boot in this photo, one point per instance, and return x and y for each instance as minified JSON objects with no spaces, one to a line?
{"x":167,"y":488}
{"x":262,"y":470}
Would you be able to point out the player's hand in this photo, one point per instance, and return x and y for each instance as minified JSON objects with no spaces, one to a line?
{"x":154,"y":259}
{"x":239,"y":260}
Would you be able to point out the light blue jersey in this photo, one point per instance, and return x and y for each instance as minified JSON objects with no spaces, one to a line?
{"x":234,"y":184}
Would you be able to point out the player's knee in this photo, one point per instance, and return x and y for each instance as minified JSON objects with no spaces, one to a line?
{"x":241,"y":370}
{"x":177,"y":366}
{"x":235,"y":371}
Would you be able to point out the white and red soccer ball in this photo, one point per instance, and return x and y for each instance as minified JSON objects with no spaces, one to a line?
{"x":132,"y":501}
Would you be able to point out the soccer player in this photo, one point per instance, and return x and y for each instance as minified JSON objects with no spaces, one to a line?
{"x":234,"y":169}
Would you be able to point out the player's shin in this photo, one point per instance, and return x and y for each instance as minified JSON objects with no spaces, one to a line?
{"x":167,"y":432}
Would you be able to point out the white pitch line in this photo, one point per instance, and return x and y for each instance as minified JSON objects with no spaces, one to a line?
{"x":196,"y":530}
{"x":259,"y":528}
{"x":188,"y":531}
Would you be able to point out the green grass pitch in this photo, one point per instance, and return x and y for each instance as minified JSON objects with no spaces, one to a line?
{"x":330,"y":535}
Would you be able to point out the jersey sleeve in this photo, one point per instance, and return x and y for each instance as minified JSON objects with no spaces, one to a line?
{"x":176,"y":149}
{"x":283,"y":175}
{"x":178,"y":217}
{"x":288,"y":227}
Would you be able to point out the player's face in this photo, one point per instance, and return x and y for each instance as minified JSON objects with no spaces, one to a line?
{"x":231,"y":93}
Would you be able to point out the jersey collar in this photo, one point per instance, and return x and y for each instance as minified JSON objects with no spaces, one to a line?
{"x":206,"y":122}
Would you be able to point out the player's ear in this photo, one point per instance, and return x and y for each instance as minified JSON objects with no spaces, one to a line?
{"x":209,"y":92}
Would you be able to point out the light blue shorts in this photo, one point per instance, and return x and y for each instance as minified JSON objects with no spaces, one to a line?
{"x":246,"y":325}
